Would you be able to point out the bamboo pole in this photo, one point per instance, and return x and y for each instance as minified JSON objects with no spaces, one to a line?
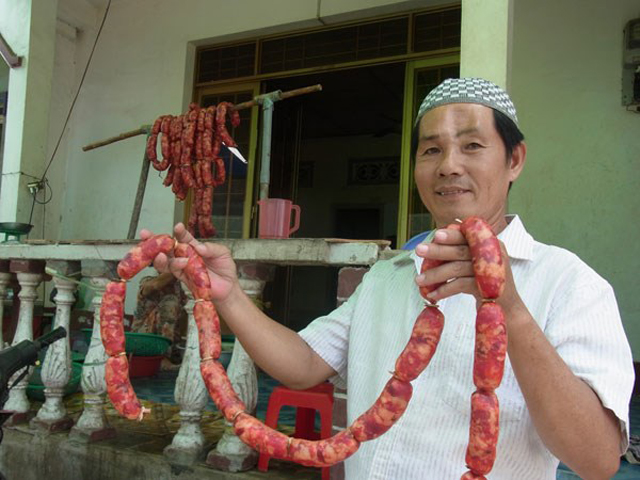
{"x":145,"y":129}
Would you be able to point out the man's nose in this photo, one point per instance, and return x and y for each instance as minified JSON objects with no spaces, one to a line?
{"x":450,"y":163}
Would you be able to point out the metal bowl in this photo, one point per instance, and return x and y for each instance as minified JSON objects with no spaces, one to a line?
{"x":15,"y":228}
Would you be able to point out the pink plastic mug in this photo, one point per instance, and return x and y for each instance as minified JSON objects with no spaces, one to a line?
{"x":275,"y":218}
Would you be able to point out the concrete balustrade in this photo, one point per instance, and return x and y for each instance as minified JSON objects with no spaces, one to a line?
{"x":95,"y":264}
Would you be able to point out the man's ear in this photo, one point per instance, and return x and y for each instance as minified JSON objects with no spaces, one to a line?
{"x":518,"y":158}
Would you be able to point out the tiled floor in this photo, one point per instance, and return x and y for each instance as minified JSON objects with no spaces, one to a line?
{"x":160,"y":389}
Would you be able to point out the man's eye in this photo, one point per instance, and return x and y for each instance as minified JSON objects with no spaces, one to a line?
{"x":474,"y":146}
{"x":431,"y":151}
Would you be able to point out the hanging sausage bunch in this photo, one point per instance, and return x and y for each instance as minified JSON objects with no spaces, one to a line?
{"x":490,"y":351}
{"x":190,"y":146}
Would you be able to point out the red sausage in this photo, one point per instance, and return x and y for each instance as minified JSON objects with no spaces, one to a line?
{"x":156,"y":125}
{"x":142,"y":255}
{"x":483,"y":432}
{"x":111,"y":318}
{"x":381,"y":416}
{"x":220,"y":172}
{"x":488,"y":267}
{"x":196,"y":272}
{"x":120,"y":391}
{"x":152,"y":145}
{"x":260,"y":437}
{"x":323,"y":453}
{"x":422,"y":345}
{"x":208,"y":324}
{"x":491,"y":347}
{"x":220,"y":389}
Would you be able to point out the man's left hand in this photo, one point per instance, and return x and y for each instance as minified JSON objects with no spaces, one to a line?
{"x":456,"y":274}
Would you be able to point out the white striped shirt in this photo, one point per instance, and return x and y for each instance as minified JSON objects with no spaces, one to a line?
{"x":361,"y":340}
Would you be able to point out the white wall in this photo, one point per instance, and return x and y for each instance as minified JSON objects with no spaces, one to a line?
{"x":579,"y":188}
{"x":29,"y":29}
{"x":142,"y":68}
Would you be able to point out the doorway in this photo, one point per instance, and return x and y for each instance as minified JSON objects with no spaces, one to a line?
{"x":335,"y":153}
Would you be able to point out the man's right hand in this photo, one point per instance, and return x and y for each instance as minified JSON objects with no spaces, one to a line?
{"x":217,"y":258}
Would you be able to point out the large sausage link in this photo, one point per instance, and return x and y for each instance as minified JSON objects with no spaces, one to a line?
{"x":326,"y":452}
{"x":112,"y":317}
{"x":142,"y":255}
{"x":152,"y":145}
{"x":197,"y":277}
{"x":260,"y":437}
{"x":422,"y":344}
{"x":491,"y":347}
{"x":221,"y":129}
{"x":208,"y":324}
{"x":220,"y":389}
{"x":488,"y":266}
{"x":381,"y":416}
{"x":483,"y":432}
{"x":119,"y":389}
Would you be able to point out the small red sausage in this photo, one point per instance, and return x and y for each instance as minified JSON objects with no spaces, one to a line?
{"x":260,"y":437}
{"x":323,"y":453}
{"x":112,"y":318}
{"x":195,"y":271}
{"x":386,"y":410}
{"x":220,"y":389}
{"x":143,"y":254}
{"x":488,"y":266}
{"x":208,"y":324}
{"x":422,"y":345}
{"x":483,"y":432}
{"x":491,"y":347}
{"x":120,"y":391}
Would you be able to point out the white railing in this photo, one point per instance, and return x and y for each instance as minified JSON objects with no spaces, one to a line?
{"x":95,"y":263}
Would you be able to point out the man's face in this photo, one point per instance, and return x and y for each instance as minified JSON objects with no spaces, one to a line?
{"x":461,"y":165}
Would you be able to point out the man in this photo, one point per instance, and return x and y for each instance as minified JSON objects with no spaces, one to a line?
{"x":568,"y":376}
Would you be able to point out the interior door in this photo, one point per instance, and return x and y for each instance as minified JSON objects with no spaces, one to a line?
{"x":421,"y":77}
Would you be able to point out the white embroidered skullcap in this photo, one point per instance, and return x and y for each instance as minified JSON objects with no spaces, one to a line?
{"x":469,"y":90}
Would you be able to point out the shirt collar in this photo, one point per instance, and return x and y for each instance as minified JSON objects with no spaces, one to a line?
{"x":516,"y":239}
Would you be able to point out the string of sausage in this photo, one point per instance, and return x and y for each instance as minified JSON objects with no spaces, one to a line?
{"x":490,"y":351}
{"x":190,"y":146}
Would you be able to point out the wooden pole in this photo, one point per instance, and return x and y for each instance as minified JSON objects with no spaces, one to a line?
{"x":145,"y":129}
{"x":137,"y":204}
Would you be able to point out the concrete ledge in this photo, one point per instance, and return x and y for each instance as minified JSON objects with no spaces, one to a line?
{"x":292,"y":251}
{"x":33,"y":457}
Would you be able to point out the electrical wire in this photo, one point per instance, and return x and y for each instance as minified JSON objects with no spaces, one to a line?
{"x":73,"y":103}
{"x":46,"y":183}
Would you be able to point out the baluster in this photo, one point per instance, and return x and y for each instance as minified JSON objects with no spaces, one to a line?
{"x":5,"y":280}
{"x":231,"y":454}
{"x":56,"y":369}
{"x":191,"y":394}
{"x":30,"y":274}
{"x":93,"y":425}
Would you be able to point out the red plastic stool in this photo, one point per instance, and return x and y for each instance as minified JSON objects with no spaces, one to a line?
{"x":307,"y":402}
